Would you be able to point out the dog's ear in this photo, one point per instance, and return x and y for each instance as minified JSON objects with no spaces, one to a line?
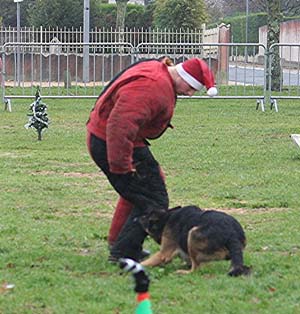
{"x":152,"y":217}
{"x":153,"y":223}
{"x":156,"y":214}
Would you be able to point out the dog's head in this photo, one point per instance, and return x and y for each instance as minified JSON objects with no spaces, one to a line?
{"x":154,"y":221}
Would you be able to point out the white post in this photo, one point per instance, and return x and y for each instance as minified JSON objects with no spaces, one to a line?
{"x":86,"y":40}
{"x":7,"y":104}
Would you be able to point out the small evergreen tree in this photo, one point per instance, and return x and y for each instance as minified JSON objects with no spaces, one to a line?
{"x":38,"y":116}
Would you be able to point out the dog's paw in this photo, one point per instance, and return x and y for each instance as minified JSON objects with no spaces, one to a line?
{"x":239,"y":271}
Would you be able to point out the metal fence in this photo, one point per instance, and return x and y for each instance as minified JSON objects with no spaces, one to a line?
{"x":58,"y":68}
{"x":134,"y":36}
{"x":289,"y":76}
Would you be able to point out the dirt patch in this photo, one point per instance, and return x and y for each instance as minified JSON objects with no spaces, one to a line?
{"x":230,"y":211}
{"x":80,"y":175}
{"x":14,"y":155}
{"x":69,"y":174}
{"x":242,"y":211}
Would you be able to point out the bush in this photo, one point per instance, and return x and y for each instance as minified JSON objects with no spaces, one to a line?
{"x":180,"y":14}
{"x":255,"y":21}
{"x":107,"y":15}
{"x":238,"y":29}
{"x":136,"y":16}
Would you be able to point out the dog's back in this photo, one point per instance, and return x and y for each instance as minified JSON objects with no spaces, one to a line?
{"x":218,"y":226}
{"x":205,"y":235}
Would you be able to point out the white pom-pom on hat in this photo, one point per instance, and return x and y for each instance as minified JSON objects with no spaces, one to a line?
{"x":211,"y":92}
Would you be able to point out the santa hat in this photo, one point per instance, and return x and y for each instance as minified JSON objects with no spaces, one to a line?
{"x":197,"y":73}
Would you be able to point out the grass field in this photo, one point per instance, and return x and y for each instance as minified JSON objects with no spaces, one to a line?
{"x":56,"y":209}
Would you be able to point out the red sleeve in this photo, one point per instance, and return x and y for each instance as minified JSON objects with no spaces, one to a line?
{"x":134,"y":106}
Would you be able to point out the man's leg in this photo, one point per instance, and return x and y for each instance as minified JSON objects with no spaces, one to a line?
{"x":121,"y":214}
{"x":145,"y":189}
{"x":130,"y":241}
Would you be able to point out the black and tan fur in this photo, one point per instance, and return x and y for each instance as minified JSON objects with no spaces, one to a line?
{"x":201,"y":235}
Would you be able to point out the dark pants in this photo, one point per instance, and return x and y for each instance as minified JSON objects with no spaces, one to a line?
{"x":145,"y":189}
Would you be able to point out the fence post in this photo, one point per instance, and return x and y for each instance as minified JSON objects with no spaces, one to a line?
{"x":7,"y":101}
{"x":2,"y":82}
{"x":86,"y":40}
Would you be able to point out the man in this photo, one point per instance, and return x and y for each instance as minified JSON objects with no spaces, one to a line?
{"x":137,"y":105}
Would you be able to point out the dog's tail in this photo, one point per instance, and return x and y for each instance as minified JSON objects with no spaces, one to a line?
{"x":237,"y":262}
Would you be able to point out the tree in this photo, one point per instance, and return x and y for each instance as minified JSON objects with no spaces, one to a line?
{"x":106,"y":16}
{"x":54,"y":14}
{"x":274,"y":20}
{"x":215,"y":10}
{"x":180,"y":14}
{"x":135,"y":16}
{"x":121,"y":13}
{"x":148,"y":15}
{"x":8,"y":12}
{"x":218,"y":9}
{"x":275,"y":10}
{"x":287,"y":7}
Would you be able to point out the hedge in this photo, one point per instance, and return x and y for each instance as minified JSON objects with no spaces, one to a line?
{"x":137,"y":16}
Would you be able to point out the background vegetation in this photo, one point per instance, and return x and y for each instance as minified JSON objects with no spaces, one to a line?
{"x":56,"y":208}
{"x":156,"y":13}
{"x":255,"y":21}
{"x":179,"y":14}
{"x":238,"y":26}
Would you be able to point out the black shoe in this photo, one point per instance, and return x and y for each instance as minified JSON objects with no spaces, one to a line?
{"x":113,"y":259}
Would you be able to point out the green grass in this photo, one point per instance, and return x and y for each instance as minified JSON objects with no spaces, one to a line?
{"x":94,"y":90}
{"x":55,"y":211}
{"x":88,"y":90}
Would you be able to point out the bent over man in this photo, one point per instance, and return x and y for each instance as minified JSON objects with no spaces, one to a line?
{"x":137,"y":105}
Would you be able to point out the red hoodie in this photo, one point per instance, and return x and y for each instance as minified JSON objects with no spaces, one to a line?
{"x":138,"y":105}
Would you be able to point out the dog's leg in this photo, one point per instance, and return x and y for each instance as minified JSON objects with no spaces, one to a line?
{"x":154,"y":260}
{"x":193,"y":250}
{"x":166,"y":253}
{"x":237,"y":265}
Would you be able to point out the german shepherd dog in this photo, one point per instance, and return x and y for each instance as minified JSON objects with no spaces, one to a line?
{"x":201,"y":235}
